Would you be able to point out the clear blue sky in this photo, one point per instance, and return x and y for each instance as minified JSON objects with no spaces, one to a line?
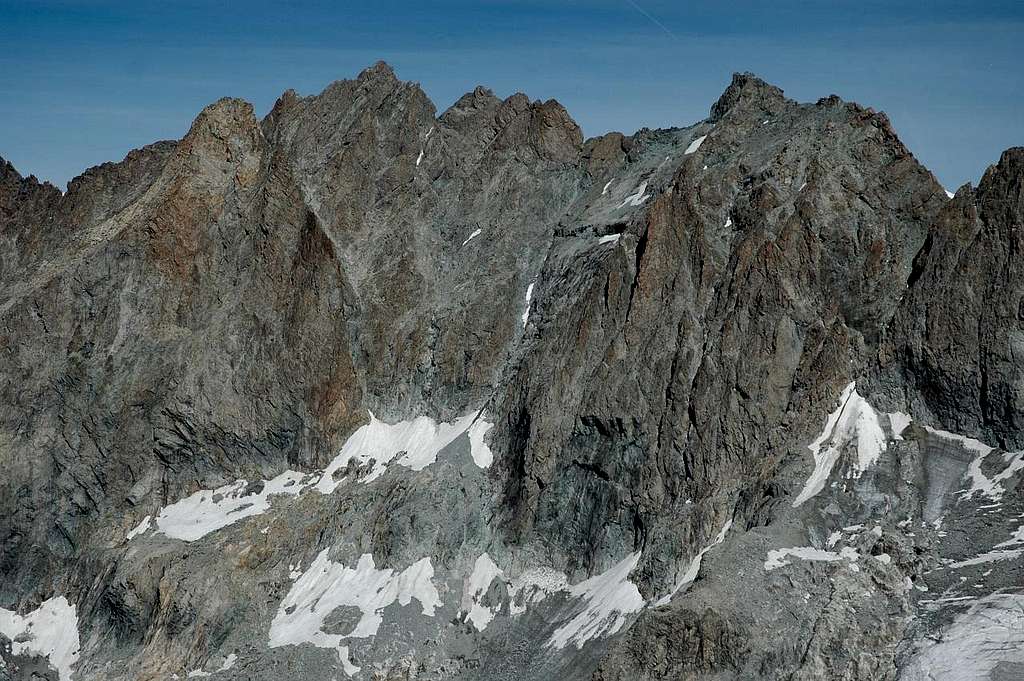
{"x":84,"y":82}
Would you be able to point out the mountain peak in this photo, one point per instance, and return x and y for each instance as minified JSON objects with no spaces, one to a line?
{"x":380,"y":70}
{"x":748,"y":92}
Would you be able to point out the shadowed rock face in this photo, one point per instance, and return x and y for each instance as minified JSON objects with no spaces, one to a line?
{"x":362,"y":390}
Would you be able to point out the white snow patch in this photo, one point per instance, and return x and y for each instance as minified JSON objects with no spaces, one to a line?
{"x":980,"y":482}
{"x":533,"y":586}
{"x":694,"y":567}
{"x":1016,"y":538}
{"x":139,"y":529}
{"x":833,"y":539}
{"x":418,"y":441}
{"x":346,"y":662}
{"x":608,"y":600}
{"x":991,"y":632}
{"x":609,"y":239}
{"x":478,"y":449}
{"x":802,"y":187}
{"x":198,"y":674}
{"x":968,"y":443}
{"x":638,"y":197}
{"x":421,"y":439}
{"x":949,"y":194}
{"x":898,"y":422}
{"x":476,"y":232}
{"x":229,"y":662}
{"x":854,"y":418}
{"x":779,"y":557}
{"x":484,"y":572}
{"x":201,"y":513}
{"x":993,"y":487}
{"x":51,"y":631}
{"x":884,"y":558}
{"x":529,"y":295}
{"x":728,"y":222}
{"x":419,"y":158}
{"x":695,"y":145}
{"x":607,"y":184}
{"x":326,"y":586}
{"x":988,"y":557}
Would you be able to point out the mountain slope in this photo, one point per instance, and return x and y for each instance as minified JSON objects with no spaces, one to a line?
{"x":362,"y":390}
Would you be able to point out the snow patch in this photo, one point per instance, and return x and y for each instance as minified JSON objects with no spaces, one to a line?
{"x":638,"y":197}
{"x":533,"y":586}
{"x":1016,"y":538}
{"x":898,"y":422}
{"x":988,"y":557}
{"x":779,"y":557}
{"x":421,"y":439}
{"x":988,"y":634}
{"x":694,"y":567}
{"x":327,"y":586}
{"x":695,"y":145}
{"x":853,"y":419}
{"x":484,"y":572}
{"x":609,"y":598}
{"x":419,"y":158}
{"x":605,"y":190}
{"x":201,"y":513}
{"x":980,"y":482}
{"x":609,"y":239}
{"x":476,"y":232}
{"x":229,"y":662}
{"x":949,"y":194}
{"x":418,"y":441}
{"x":51,"y":631}
{"x":529,"y":295}
{"x":478,"y":449}
{"x":141,"y":528}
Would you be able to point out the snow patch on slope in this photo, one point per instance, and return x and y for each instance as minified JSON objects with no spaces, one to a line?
{"x":989,"y":634}
{"x":529,"y":296}
{"x":51,"y":631}
{"x":327,"y":585}
{"x":780,"y":557}
{"x":694,"y":566}
{"x":484,"y":572}
{"x":695,"y":145}
{"x":992,"y":487}
{"x":141,"y":528}
{"x":853,"y":420}
{"x":201,"y":513}
{"x":414,"y":443}
{"x":609,"y":598}
{"x":638,"y":197}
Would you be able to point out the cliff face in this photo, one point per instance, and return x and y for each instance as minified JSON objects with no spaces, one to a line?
{"x":362,"y":390}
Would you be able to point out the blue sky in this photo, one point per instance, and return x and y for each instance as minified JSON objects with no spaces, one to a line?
{"x":84,"y":82}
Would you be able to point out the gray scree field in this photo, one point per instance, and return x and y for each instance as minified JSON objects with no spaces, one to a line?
{"x":360,"y":390}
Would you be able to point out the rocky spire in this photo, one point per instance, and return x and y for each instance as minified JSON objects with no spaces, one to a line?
{"x":748,"y":93}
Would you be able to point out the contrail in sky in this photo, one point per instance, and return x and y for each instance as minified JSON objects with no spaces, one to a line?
{"x":657,"y":23}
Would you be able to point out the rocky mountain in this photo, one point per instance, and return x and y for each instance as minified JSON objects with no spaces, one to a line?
{"x":362,"y":391}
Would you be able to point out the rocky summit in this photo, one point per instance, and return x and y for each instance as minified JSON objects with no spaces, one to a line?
{"x":362,"y":391}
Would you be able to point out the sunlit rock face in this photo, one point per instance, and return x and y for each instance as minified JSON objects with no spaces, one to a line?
{"x":360,"y":390}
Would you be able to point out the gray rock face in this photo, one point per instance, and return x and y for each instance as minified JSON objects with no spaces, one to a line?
{"x":360,"y":390}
